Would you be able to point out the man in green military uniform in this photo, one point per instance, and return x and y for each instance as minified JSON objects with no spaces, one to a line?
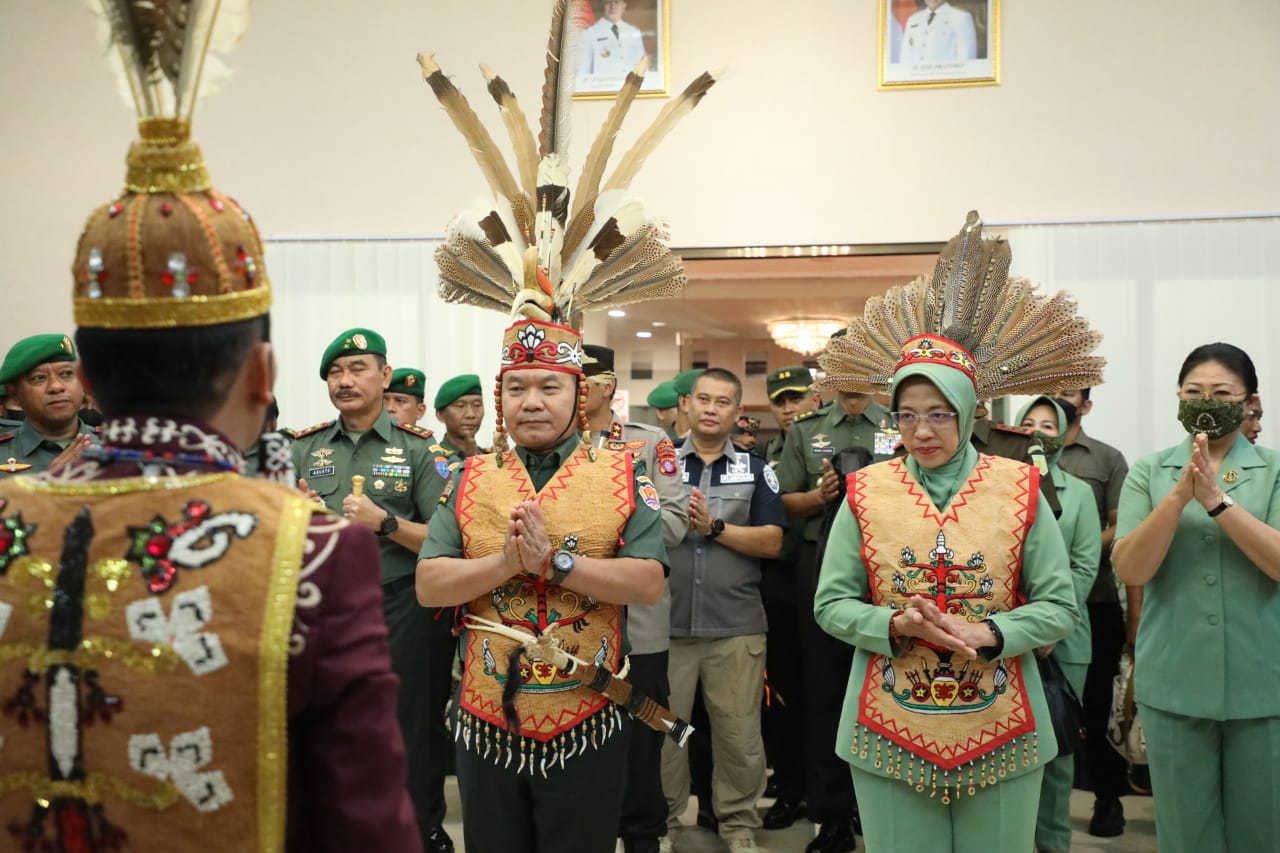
{"x":403,"y":398}
{"x":401,"y":480}
{"x":808,"y":485}
{"x":663,"y":400}
{"x":682,"y":384}
{"x":789,"y":396}
{"x":460,"y":407}
{"x":39,"y":373}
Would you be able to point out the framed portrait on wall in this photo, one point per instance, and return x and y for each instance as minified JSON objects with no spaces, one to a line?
{"x":613,"y":36}
{"x":928,"y":44}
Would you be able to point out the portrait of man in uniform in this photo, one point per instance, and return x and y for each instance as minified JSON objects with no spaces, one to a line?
{"x":614,"y":36}
{"x":939,"y":42}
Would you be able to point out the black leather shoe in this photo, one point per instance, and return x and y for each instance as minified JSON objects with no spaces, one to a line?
{"x":771,"y":788}
{"x":640,"y":845}
{"x":1108,"y":817}
{"x":707,"y":819}
{"x":783,"y":813}
{"x":437,"y":841}
{"x":836,"y":836}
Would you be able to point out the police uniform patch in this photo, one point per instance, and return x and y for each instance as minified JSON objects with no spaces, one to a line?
{"x":648,"y":493}
{"x":666,"y":452}
{"x":771,"y":480}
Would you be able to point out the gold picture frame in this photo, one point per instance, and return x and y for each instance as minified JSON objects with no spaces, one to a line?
{"x":941,"y":44}
{"x":605,"y":57}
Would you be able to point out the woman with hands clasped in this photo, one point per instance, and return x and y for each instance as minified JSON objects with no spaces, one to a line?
{"x":1198,"y":526}
{"x":946,"y":571}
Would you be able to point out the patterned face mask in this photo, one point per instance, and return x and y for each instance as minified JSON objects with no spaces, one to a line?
{"x":1214,"y":418}
{"x":1050,"y":443}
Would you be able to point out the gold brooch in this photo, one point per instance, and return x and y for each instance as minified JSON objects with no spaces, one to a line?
{"x":1230,"y":477}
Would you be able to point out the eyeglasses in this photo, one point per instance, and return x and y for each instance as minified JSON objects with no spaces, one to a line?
{"x":1222,"y":396}
{"x":907,"y":421}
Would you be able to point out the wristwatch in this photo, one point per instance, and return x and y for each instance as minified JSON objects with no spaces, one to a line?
{"x":1227,"y":503}
{"x":561,"y":565}
{"x":389,"y":525}
{"x":717,"y":527}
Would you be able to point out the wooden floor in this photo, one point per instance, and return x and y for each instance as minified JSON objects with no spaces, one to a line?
{"x":1139,"y":836}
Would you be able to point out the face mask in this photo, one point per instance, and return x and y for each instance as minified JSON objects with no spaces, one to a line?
{"x":1214,"y":418}
{"x":1051,"y":443}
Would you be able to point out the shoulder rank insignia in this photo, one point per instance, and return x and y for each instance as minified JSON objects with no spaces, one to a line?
{"x":311,"y":430}
{"x":8,"y":436}
{"x":420,"y":432}
{"x":805,"y":416}
{"x":13,"y":466}
{"x":1016,"y":430}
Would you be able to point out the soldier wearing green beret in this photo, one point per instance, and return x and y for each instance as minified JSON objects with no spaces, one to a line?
{"x":460,"y":407}
{"x":401,"y":473}
{"x":404,"y":396}
{"x":663,"y":400}
{"x":39,"y":374}
{"x":683,"y":386}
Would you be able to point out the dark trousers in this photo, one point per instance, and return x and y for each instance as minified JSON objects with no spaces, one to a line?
{"x":422,"y":650}
{"x":825,"y":666}
{"x":574,"y":809}
{"x":1107,"y":770}
{"x":644,"y":808}
{"x":783,"y":721}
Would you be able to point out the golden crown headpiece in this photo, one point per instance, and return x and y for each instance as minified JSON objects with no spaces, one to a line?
{"x":170,"y":251}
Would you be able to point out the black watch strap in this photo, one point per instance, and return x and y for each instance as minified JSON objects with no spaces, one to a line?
{"x":717,"y":527}
{"x":389,"y":525}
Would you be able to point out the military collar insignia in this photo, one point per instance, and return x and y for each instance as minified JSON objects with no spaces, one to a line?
{"x":615,"y":431}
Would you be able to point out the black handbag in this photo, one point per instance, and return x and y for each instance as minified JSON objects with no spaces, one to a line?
{"x":1065,"y":710}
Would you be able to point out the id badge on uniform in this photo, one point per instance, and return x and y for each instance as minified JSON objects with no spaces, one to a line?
{"x":886,"y":441}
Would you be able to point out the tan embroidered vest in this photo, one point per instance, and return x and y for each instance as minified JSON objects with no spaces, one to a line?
{"x":144,"y":630}
{"x":586,"y":505}
{"x":952,"y":718}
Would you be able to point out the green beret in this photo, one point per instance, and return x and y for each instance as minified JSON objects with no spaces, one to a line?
{"x":352,"y":342}
{"x":33,"y":352}
{"x":664,"y":396}
{"x":406,"y":380}
{"x":683,"y":383}
{"x":795,"y":378}
{"x":458,"y":386}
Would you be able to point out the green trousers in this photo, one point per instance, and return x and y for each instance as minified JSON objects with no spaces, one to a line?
{"x":1053,"y":822}
{"x":897,"y":819}
{"x":1215,"y":783}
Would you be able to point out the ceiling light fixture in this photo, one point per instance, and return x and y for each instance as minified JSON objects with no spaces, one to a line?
{"x":644,"y":334}
{"x":617,"y":312}
{"x":805,"y":335}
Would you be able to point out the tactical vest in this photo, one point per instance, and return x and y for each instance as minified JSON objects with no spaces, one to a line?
{"x":144,"y":635}
{"x":958,"y":723}
{"x":586,"y":505}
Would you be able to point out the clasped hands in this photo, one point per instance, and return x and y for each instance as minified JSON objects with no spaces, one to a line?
{"x":1199,"y":479}
{"x":923,"y":620}
{"x":527,"y":548}
{"x":699,"y":515}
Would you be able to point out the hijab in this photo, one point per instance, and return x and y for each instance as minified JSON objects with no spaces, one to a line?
{"x":956,"y":388}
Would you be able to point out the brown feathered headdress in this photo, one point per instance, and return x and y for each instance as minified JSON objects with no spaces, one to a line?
{"x":1008,"y":338}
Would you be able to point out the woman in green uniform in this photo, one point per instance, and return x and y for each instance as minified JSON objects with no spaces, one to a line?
{"x":945,"y":570}
{"x":1197,"y":526}
{"x":1082,"y":534}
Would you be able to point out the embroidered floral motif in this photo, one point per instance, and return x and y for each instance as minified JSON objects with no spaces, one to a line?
{"x":160,"y":548}
{"x":322,"y":539}
{"x":188,"y":752}
{"x":182,"y":629}
{"x":13,"y":537}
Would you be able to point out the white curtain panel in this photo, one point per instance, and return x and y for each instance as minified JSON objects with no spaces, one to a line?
{"x":1157,"y":290}
{"x":323,"y":287}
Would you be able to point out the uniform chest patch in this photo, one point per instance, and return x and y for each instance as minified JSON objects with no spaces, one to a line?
{"x":821,"y":445}
{"x":648,"y":493}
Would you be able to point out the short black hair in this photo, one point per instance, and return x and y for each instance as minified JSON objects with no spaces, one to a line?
{"x":721,"y":375}
{"x":178,"y":372}
{"x":1229,"y":356}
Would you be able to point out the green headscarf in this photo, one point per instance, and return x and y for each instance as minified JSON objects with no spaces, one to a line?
{"x":1051,"y":458}
{"x":955,"y":386}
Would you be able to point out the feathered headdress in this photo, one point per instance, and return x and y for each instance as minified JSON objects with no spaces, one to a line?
{"x":539,"y":252}
{"x":171,"y":251}
{"x":1006,"y":337}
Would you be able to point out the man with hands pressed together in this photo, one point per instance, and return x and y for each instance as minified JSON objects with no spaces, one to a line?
{"x":717,"y":616}
{"x":401,"y":487}
{"x":551,"y":538}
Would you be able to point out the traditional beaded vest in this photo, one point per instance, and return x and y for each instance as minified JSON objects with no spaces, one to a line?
{"x":586,"y":505}
{"x":144,"y":631}
{"x":958,"y":723}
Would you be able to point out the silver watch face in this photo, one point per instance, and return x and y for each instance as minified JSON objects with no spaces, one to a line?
{"x":562,"y":561}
